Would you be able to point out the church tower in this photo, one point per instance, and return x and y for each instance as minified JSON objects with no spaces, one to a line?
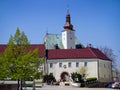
{"x":68,"y":34}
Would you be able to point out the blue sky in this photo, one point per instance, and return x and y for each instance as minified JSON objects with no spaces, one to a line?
{"x":95,"y":21}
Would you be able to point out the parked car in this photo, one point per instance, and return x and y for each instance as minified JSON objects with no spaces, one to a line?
{"x":109,"y":85}
{"x":116,"y":85}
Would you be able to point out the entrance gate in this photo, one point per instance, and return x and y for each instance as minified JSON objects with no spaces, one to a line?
{"x":64,"y":76}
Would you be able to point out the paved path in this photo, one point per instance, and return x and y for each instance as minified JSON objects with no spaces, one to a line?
{"x":47,"y":87}
{"x":67,"y":88}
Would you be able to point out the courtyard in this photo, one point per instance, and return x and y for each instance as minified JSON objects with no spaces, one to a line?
{"x":47,"y":87}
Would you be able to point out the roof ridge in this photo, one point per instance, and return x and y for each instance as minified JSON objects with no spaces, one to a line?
{"x":30,"y":44}
{"x":36,"y":44}
{"x":52,"y":34}
{"x":97,"y":55}
{"x":92,"y":51}
{"x":3,"y":44}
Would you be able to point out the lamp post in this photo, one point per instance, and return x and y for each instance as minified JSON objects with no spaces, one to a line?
{"x":33,"y":84}
{"x":85,"y":81}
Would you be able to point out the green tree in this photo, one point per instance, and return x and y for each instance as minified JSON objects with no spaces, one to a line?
{"x":20,"y":62}
{"x":3,"y":68}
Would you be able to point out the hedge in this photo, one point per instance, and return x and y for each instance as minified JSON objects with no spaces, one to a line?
{"x":91,"y":79}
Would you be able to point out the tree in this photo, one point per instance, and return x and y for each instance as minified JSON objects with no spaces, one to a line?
{"x":49,"y":78}
{"x":3,"y":68}
{"x":20,"y":62}
{"x":83,"y":71}
{"x":109,"y":53}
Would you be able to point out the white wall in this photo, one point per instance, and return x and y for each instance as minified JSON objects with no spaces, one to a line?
{"x":98,"y":68}
{"x":105,"y":71}
{"x":68,"y":39}
{"x":91,"y":67}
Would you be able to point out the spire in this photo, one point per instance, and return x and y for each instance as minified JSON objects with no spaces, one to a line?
{"x":68,"y":24}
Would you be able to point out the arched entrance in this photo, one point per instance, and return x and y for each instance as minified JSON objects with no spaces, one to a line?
{"x":64,"y":76}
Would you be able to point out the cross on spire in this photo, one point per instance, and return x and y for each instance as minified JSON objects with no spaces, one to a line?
{"x":67,"y":8}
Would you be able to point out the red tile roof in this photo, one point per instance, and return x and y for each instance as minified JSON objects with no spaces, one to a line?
{"x":41,"y":48}
{"x":2,"y":47}
{"x":65,"y":53}
{"x":76,"y":53}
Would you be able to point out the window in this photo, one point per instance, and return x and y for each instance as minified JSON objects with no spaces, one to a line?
{"x":108,"y":66}
{"x":85,"y":64}
{"x":104,"y":66}
{"x":69,"y":64}
{"x":77,"y":64}
{"x":60,"y":65}
{"x":51,"y":65}
{"x":104,"y":75}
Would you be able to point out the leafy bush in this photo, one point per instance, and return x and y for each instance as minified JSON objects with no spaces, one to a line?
{"x":49,"y":78}
{"x":91,"y":79}
{"x":76,"y":77}
{"x":38,"y":75}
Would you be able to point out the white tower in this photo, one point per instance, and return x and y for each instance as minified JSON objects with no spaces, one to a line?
{"x":68,"y":34}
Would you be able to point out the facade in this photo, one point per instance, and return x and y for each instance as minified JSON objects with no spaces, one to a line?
{"x":64,"y":62}
{"x":64,"y":54}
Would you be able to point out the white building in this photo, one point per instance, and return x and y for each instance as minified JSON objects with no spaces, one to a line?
{"x":64,"y":62}
{"x":65,"y":55}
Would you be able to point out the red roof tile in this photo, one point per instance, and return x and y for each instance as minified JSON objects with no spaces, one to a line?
{"x":2,"y":47}
{"x":41,"y":48}
{"x":76,"y":53}
{"x":65,"y":53}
